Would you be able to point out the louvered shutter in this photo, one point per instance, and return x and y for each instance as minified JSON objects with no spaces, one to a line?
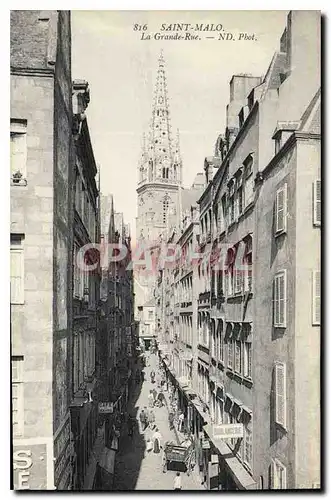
{"x":317,"y":203}
{"x":280,"y":393}
{"x":316,"y":297}
{"x":280,"y":299}
{"x":281,"y":209}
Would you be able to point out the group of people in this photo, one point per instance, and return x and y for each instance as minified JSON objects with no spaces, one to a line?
{"x":147,"y":419}
{"x":155,"y":398}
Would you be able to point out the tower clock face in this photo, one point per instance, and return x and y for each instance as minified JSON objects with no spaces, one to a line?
{"x":160,"y":100}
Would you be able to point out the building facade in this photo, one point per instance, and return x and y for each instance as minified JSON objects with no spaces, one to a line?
{"x":252,"y":324}
{"x":41,"y":247}
{"x":86,"y":287}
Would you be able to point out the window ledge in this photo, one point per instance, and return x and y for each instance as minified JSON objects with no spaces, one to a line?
{"x":279,"y":326}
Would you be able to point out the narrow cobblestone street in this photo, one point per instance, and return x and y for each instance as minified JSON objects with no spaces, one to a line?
{"x":137,"y":469}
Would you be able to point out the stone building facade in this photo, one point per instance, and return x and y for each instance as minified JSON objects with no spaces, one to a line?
{"x":41,"y":246}
{"x":86,"y":287}
{"x":259,"y":238}
{"x":117,"y":340}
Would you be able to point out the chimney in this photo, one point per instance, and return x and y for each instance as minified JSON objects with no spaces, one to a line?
{"x":240,"y":87}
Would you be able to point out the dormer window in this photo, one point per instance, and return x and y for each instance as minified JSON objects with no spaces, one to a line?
{"x":283,"y":132}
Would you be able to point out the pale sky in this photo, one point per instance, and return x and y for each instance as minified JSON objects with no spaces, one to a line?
{"x":121,"y":71}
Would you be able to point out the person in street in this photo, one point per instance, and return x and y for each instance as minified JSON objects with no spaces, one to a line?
{"x":157,"y":441}
{"x":154,"y":393}
{"x":131,"y":425}
{"x":160,"y":398}
{"x":152,"y":376}
{"x":178,"y":482}
{"x":143,"y":419}
{"x":149,"y":446}
{"x":151,"y":419}
{"x":171,"y":420}
{"x":150,"y":399}
{"x":180,"y":421}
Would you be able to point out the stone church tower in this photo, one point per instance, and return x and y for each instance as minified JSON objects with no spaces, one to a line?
{"x":159,"y":186}
{"x":160,"y":170}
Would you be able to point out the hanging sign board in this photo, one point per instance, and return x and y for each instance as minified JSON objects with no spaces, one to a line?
{"x":228,"y":431}
{"x":105,"y":408}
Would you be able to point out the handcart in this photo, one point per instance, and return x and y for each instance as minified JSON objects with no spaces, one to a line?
{"x":175,"y":454}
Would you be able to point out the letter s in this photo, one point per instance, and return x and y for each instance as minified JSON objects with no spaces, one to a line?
{"x":163,"y":26}
{"x":27,"y":462}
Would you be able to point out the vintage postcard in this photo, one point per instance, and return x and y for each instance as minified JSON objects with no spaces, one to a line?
{"x":165,"y":250}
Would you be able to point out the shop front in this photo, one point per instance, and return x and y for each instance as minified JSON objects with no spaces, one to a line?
{"x":84,"y":419}
{"x":231,"y":473}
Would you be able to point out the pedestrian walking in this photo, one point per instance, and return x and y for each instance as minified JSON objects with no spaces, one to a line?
{"x":150,"y":399}
{"x":131,"y":425}
{"x":154,"y":393}
{"x":152,"y":376}
{"x":178,"y":482}
{"x":180,"y":421}
{"x":160,"y":398}
{"x":171,"y":420}
{"x":157,"y":441}
{"x":143,"y":419}
{"x":151,"y":419}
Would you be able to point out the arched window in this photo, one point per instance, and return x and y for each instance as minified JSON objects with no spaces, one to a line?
{"x":150,"y":170}
{"x":165,"y":173}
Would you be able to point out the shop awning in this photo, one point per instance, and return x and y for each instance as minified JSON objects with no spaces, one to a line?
{"x":242,"y":478}
{"x":107,"y":460}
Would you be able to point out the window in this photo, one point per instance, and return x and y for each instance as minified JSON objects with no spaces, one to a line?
{"x":231,"y":203}
{"x":239,"y":200}
{"x":280,"y":299}
{"x":278,"y":475}
{"x":316,"y":297}
{"x":249,"y":182}
{"x":248,"y":448}
{"x":76,"y":273}
{"x":221,"y":340}
{"x":165,"y":173}
{"x":247,"y":359}
{"x":280,"y":394}
{"x":281,"y":209}
{"x":248,"y":262}
{"x":76,"y":363}
{"x":16,"y":269}
{"x":237,"y":359}
{"x":150,"y":314}
{"x":165,"y":211}
{"x":18,"y":150}
{"x":223,"y":213}
{"x":230,"y":353}
{"x":317,"y":203}
{"x":17,"y":395}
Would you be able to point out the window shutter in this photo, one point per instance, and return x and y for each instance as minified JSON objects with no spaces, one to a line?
{"x":280,"y":299}
{"x":281,"y":209}
{"x":316,"y":297}
{"x":280,"y":392}
{"x":317,"y":203}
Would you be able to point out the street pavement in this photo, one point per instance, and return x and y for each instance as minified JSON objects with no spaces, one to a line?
{"x":137,"y":469}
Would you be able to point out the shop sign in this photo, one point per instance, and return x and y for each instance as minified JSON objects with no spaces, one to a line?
{"x":30,"y":467}
{"x":227,"y":431}
{"x":205,"y":444}
{"x":105,"y":408}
